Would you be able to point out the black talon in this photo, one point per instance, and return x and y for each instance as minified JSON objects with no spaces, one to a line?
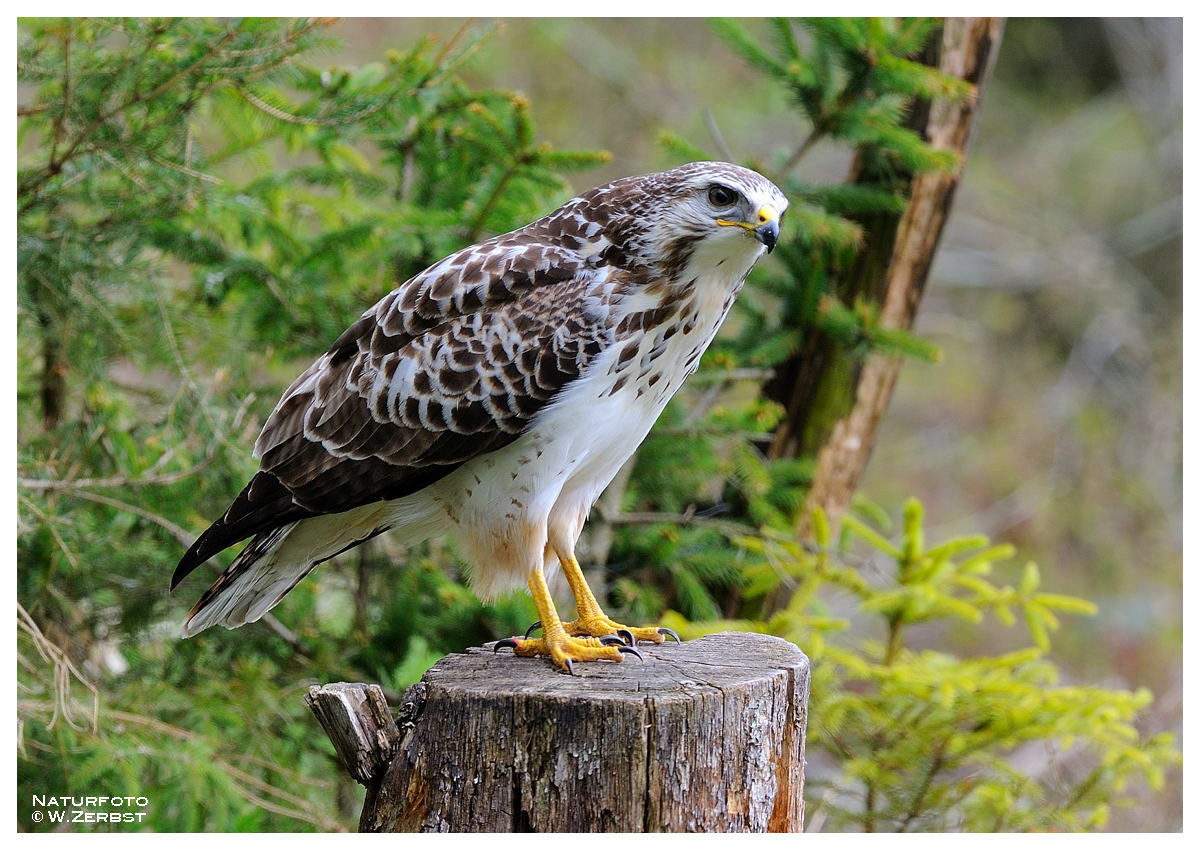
{"x":532,"y":628}
{"x":570,"y":667}
{"x":611,"y":640}
{"x":504,"y":643}
{"x":626,"y":636}
{"x":630,"y":650}
{"x":665,"y":632}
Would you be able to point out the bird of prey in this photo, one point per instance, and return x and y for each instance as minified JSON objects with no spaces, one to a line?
{"x":494,"y":396}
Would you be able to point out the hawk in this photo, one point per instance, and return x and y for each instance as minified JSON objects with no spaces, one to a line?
{"x":494,"y":396}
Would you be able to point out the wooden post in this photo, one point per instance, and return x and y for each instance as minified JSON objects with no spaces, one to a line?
{"x":703,"y":737}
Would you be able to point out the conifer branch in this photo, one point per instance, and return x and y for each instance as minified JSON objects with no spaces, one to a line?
{"x":477,"y":224}
{"x":56,"y":162}
{"x":182,"y":535}
{"x":915,"y":808}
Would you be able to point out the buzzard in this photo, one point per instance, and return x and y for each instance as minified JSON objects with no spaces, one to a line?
{"x":494,"y":396}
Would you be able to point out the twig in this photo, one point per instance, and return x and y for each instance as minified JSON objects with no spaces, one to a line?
{"x":283,"y":771}
{"x":332,"y":826}
{"x":303,"y":812}
{"x":123,"y":170}
{"x":55,"y":162}
{"x":184,"y":372}
{"x":935,"y":765}
{"x":64,"y":668}
{"x":289,"y":637}
{"x":119,"y":481}
{"x":60,"y":120}
{"x":489,"y":205}
{"x":183,"y":169}
{"x":449,"y":45}
{"x":729,"y":527}
{"x":729,"y":375}
{"x":704,"y":404}
{"x":178,"y":532}
{"x":280,"y":114}
{"x":292,"y":38}
{"x":53,"y":526}
{"x":652,"y":517}
{"x":798,"y":154}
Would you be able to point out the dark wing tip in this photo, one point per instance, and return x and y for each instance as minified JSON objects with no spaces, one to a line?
{"x":200,"y":551}
{"x":263,"y":504}
{"x":179,"y":575}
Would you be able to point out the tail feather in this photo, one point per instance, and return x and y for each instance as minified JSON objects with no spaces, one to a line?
{"x":238,"y":595}
{"x":275,"y":561}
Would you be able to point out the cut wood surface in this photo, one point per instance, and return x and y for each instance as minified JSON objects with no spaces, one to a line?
{"x":358,"y":722}
{"x":707,"y":736}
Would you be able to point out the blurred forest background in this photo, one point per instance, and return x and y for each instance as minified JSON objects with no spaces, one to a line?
{"x":181,"y":259}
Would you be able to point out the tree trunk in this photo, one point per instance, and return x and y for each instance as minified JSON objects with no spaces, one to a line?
{"x":703,"y":737}
{"x":835,"y":402}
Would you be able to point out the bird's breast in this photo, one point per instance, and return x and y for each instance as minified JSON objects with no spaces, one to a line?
{"x":653,"y":366}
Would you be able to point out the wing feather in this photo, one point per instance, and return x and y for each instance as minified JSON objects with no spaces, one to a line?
{"x":453,"y":364}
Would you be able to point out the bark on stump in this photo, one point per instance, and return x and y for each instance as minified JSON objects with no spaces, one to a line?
{"x":703,"y":737}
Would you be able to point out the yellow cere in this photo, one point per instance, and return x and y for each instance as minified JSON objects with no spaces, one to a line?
{"x":767,"y":214}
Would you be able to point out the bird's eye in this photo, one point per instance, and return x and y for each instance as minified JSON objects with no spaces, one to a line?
{"x":722,"y":196}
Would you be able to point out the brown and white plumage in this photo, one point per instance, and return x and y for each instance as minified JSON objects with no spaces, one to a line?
{"x":494,"y":395}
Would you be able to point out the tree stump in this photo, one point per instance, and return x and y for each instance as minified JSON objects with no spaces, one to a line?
{"x":356,"y":719}
{"x":703,"y":737}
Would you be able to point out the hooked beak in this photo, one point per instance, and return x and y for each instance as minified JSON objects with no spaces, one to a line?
{"x":765,"y":227}
{"x":768,"y":234}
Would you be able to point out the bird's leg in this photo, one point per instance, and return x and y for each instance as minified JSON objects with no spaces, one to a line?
{"x":592,"y":620}
{"x":555,"y":642}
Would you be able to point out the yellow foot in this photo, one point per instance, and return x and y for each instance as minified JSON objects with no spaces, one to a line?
{"x":563,"y":649}
{"x":601,"y":626}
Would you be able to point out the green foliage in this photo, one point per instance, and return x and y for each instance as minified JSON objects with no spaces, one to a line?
{"x":854,"y":81}
{"x":905,"y":734}
{"x":921,"y":738}
{"x":854,"y":78}
{"x":196,"y":192}
{"x":210,"y":744}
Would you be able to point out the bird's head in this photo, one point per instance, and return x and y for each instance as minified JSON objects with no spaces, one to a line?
{"x":724,"y":202}
{"x":717,"y":210}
